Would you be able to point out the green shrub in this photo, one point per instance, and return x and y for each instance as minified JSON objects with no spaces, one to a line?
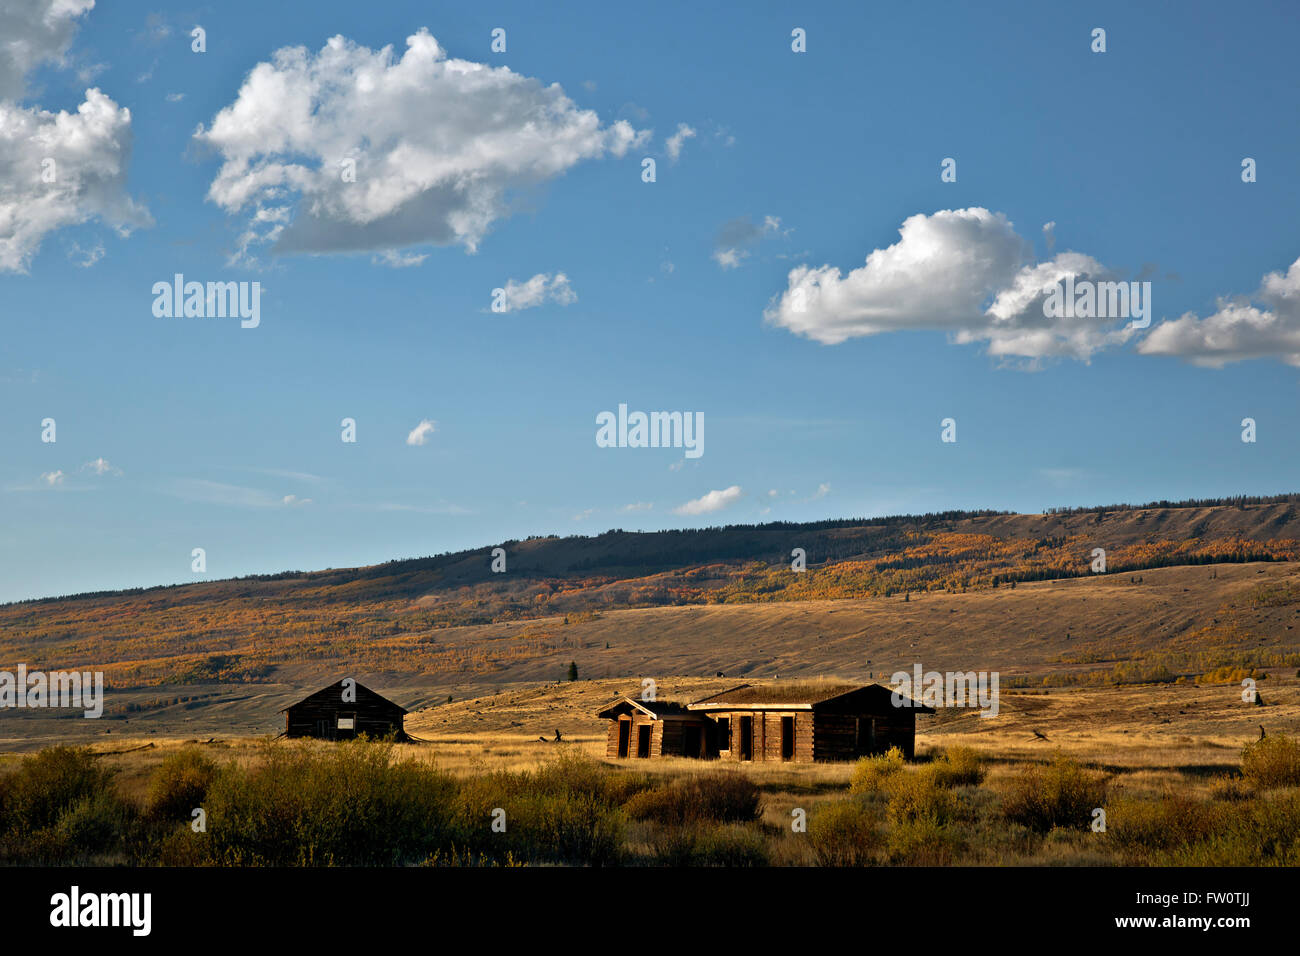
{"x":180,"y":784}
{"x":1061,"y":794}
{"x":919,"y":795}
{"x":1139,"y":826}
{"x":566,"y":812}
{"x":347,"y":806}
{"x":844,"y":833}
{"x":922,"y":841}
{"x":1260,"y":832}
{"x":958,"y":767}
{"x":48,"y":783}
{"x":1272,"y":762}
{"x":870,"y":773}
{"x":719,"y":796}
{"x":92,"y":827}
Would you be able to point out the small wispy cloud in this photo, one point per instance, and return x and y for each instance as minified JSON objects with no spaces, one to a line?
{"x":85,"y":258}
{"x":52,"y":478}
{"x":675,"y":142}
{"x":100,"y":466}
{"x":639,"y":506}
{"x":711,"y":502}
{"x":400,"y":260}
{"x":538,"y":290}
{"x":421,"y":432}
{"x":737,"y":237}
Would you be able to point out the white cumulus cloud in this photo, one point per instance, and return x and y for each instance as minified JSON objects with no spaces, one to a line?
{"x":33,"y":32}
{"x":57,"y":169}
{"x":1264,"y":325}
{"x":439,"y":145}
{"x":962,"y":271}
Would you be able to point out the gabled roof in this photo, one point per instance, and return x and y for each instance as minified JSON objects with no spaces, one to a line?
{"x":335,"y":692}
{"x":792,"y":696}
{"x":657,"y":709}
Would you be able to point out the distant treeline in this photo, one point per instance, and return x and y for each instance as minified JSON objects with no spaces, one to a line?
{"x":1233,"y":501}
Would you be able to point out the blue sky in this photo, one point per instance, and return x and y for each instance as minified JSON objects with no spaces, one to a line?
{"x":177,"y":433}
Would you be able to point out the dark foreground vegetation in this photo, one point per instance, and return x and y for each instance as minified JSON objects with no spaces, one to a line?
{"x":359,"y":804}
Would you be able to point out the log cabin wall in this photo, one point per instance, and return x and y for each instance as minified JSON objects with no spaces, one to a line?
{"x":318,"y":717}
{"x":768,"y":735}
{"x":635,"y":720}
{"x":897,"y":729}
{"x":679,"y":731}
{"x":850,"y":736}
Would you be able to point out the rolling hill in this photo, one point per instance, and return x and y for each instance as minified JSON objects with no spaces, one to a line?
{"x":1189,"y":588}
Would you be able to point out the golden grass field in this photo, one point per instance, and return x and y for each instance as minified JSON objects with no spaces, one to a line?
{"x":1148,"y":737}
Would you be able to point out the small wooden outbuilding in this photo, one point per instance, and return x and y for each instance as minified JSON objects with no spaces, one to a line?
{"x":342,"y":711}
{"x":790,"y":722}
{"x":656,"y":728}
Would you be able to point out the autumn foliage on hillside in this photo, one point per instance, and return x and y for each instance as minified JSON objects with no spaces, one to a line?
{"x":420,"y":614}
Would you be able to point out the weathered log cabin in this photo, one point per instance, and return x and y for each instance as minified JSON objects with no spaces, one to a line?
{"x":342,"y":711}
{"x":656,"y":728}
{"x":791,"y":722}
{"x":810,"y":722}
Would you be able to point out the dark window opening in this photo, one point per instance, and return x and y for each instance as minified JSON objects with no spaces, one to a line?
{"x":643,"y":740}
{"x":787,"y":738}
{"x":724,"y":733}
{"x":624,"y":735}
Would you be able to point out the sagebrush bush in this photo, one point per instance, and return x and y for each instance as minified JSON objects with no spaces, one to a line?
{"x":844,"y":833}
{"x":60,"y":807}
{"x":1264,"y":831}
{"x":1272,"y":762}
{"x":1139,"y":826}
{"x":919,"y":794}
{"x":922,"y":841}
{"x":958,"y":767}
{"x":48,"y":783}
{"x":565,"y":812}
{"x":871,"y":772}
{"x":179,"y":784}
{"x":1061,"y":794}
{"x":720,"y":796}
{"x":351,"y":805}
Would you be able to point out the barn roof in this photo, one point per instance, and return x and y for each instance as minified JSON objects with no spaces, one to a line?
{"x":335,"y":690}
{"x":790,"y":696}
{"x":658,"y":709}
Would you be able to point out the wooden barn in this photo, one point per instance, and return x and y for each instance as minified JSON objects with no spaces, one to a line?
{"x":809,"y":722}
{"x":656,"y":728}
{"x":342,"y":711}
